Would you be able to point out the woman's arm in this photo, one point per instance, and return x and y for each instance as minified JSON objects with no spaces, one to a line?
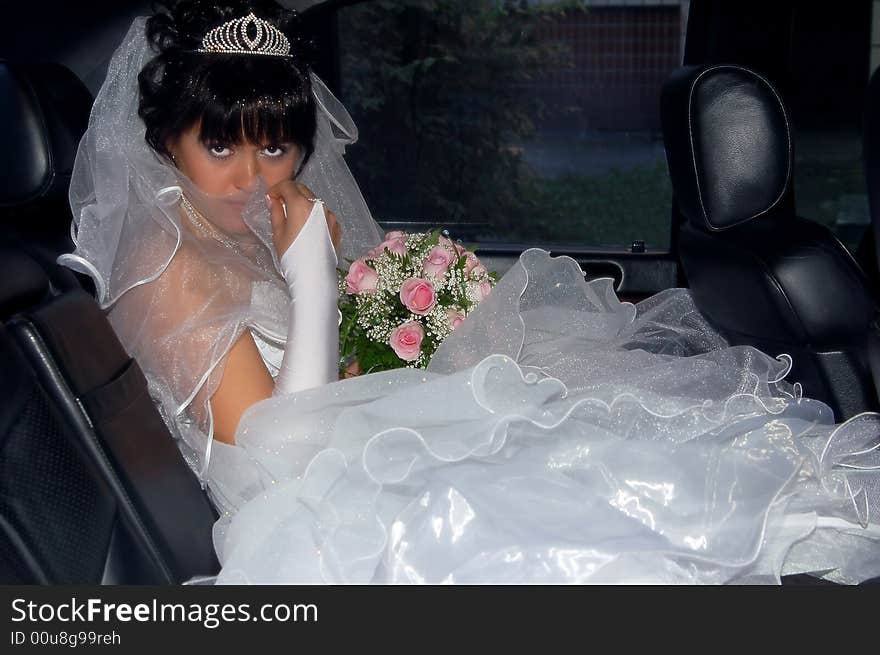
{"x":309,"y":267}
{"x":246,"y":380}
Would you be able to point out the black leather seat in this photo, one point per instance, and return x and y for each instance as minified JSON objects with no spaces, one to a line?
{"x":761,"y":274}
{"x":44,"y":111}
{"x":93,"y":488}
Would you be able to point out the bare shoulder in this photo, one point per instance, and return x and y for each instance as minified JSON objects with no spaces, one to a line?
{"x":304,"y":190}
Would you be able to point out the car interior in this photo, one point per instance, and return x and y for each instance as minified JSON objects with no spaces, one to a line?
{"x":93,"y":488}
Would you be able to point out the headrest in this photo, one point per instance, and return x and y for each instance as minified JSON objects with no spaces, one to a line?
{"x":44,"y":110}
{"x":728,"y":144}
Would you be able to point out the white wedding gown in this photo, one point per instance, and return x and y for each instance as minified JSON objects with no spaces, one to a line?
{"x":558,"y":436}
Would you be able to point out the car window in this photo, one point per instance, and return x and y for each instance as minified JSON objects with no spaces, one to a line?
{"x":830,"y":61}
{"x":513,"y":121}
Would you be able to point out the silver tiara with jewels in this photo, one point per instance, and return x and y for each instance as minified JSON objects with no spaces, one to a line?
{"x":234,"y":37}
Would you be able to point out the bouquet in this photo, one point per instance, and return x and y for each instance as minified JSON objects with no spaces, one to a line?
{"x":404,"y":297}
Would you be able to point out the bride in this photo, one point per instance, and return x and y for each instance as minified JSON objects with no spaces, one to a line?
{"x":558,"y":435}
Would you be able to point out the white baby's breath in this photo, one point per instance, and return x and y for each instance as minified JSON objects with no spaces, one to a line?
{"x":437,"y":323}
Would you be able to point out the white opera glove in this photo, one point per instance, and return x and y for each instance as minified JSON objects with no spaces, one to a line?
{"x":311,"y":355}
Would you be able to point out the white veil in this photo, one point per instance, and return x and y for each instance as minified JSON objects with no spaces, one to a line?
{"x":179,"y":292}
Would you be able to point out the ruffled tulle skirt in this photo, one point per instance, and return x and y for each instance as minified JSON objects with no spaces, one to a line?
{"x":559,"y":436}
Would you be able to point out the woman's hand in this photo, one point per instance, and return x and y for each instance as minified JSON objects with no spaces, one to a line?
{"x":295,"y":198}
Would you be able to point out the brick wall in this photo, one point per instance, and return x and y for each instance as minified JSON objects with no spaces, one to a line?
{"x":616,"y":60}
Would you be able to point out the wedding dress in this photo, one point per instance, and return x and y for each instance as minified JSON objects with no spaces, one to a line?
{"x":559,"y":435}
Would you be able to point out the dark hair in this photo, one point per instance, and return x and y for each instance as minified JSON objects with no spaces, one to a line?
{"x":262,"y":99}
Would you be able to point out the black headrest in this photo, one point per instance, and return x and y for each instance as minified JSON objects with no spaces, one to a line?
{"x":44,"y":110}
{"x":728,"y":144}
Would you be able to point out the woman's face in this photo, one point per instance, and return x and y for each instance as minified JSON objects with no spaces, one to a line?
{"x":232,"y":169}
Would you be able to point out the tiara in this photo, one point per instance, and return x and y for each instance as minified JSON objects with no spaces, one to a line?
{"x":232,"y":38}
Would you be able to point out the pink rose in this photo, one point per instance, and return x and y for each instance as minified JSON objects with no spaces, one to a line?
{"x":438,"y":261}
{"x":479,"y":271}
{"x":455,"y":317}
{"x":480,"y":290}
{"x":406,"y":340}
{"x":471,"y":261}
{"x":395,"y":234}
{"x":396,"y":245}
{"x":418,"y":295}
{"x":361,"y":278}
{"x":444,"y":241}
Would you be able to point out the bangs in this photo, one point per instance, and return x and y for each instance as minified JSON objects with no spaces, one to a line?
{"x":255,"y":99}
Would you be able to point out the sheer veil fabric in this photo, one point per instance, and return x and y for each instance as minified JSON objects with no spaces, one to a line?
{"x":559,"y":435}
